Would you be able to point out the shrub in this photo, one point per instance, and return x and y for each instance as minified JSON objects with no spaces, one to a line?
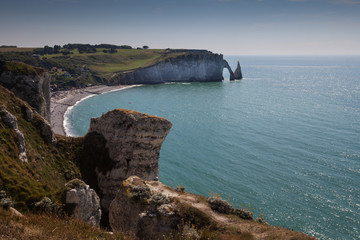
{"x":180,"y":189}
{"x":139,"y":193}
{"x":5,"y":201}
{"x":75,"y":183}
{"x":262,"y":220}
{"x":223,"y":206}
{"x":219,"y":205}
{"x":244,"y":214}
{"x":46,"y":206}
{"x":159,"y":199}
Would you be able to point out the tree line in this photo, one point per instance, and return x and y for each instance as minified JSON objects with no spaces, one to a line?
{"x":82,"y":48}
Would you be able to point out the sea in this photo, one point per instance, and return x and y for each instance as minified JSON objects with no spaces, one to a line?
{"x":283,"y":142}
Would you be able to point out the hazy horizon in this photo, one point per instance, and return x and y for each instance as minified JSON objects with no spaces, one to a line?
{"x":230,"y":27}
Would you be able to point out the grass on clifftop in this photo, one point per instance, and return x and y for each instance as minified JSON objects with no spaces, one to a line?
{"x":44,"y":227}
{"x":105,"y":64}
{"x":17,"y":68}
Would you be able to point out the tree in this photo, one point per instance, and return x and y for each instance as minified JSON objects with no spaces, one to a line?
{"x":125,"y":47}
{"x":66,"y":52}
{"x":39,"y":51}
{"x":48,"y":50}
{"x":57,"y":48}
{"x":145,"y":47}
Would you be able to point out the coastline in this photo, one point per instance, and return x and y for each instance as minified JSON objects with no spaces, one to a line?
{"x":62,"y":100}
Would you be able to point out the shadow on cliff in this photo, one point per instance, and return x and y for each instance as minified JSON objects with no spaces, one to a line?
{"x":95,"y":155}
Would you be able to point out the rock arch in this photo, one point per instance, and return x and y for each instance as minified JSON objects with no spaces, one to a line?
{"x":226,"y":65}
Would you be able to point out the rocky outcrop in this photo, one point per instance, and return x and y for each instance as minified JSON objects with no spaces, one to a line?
{"x":152,"y":210}
{"x":11,"y":121}
{"x":45,"y":130}
{"x":238,"y":73}
{"x":83,"y":202}
{"x":119,"y":144}
{"x":140,"y":210}
{"x":32,"y":85}
{"x":193,"y":66}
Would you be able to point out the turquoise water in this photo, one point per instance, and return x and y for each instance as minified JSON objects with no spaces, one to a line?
{"x":284,"y":140}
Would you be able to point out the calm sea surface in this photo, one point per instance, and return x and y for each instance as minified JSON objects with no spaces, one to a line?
{"x":285,"y":140}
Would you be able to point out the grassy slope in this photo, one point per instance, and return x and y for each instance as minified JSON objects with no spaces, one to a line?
{"x":19,"y":68}
{"x":49,"y":167}
{"x":44,"y":227}
{"x":105,"y":64}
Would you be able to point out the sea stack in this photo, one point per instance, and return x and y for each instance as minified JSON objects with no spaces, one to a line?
{"x":120,"y":144}
{"x":238,"y":73}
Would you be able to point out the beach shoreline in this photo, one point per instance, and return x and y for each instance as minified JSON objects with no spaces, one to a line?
{"x":62,"y":100}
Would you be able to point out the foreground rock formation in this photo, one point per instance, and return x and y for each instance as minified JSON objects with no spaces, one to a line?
{"x":138,"y":211}
{"x":29,"y":84}
{"x":11,"y":121}
{"x":194,"y":66}
{"x":119,"y":144}
{"x":152,"y":210}
{"x":84,"y":202}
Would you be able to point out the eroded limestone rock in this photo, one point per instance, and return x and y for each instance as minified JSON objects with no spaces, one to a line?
{"x":84,"y":201}
{"x":238,"y":73}
{"x":11,"y":121}
{"x":28,"y":113}
{"x":140,"y":210}
{"x":193,"y":66}
{"x":226,"y":65}
{"x":45,"y":130}
{"x":15,"y":213}
{"x":122,"y":143}
{"x":34,"y":89}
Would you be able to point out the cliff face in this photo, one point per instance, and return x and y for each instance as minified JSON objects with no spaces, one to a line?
{"x":29,"y":84}
{"x":122,"y":143}
{"x":192,"y":67}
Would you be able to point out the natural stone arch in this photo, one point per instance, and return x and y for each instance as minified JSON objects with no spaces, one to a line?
{"x":226,"y":65}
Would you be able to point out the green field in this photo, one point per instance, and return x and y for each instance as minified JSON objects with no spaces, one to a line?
{"x":90,"y":68}
{"x":106,"y":63}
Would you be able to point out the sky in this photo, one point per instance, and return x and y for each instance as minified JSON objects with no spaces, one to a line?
{"x":232,"y":27}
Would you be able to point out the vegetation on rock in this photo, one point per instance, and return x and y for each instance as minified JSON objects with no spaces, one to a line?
{"x":17,"y":68}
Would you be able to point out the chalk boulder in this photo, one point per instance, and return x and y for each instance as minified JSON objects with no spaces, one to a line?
{"x":84,"y":202}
